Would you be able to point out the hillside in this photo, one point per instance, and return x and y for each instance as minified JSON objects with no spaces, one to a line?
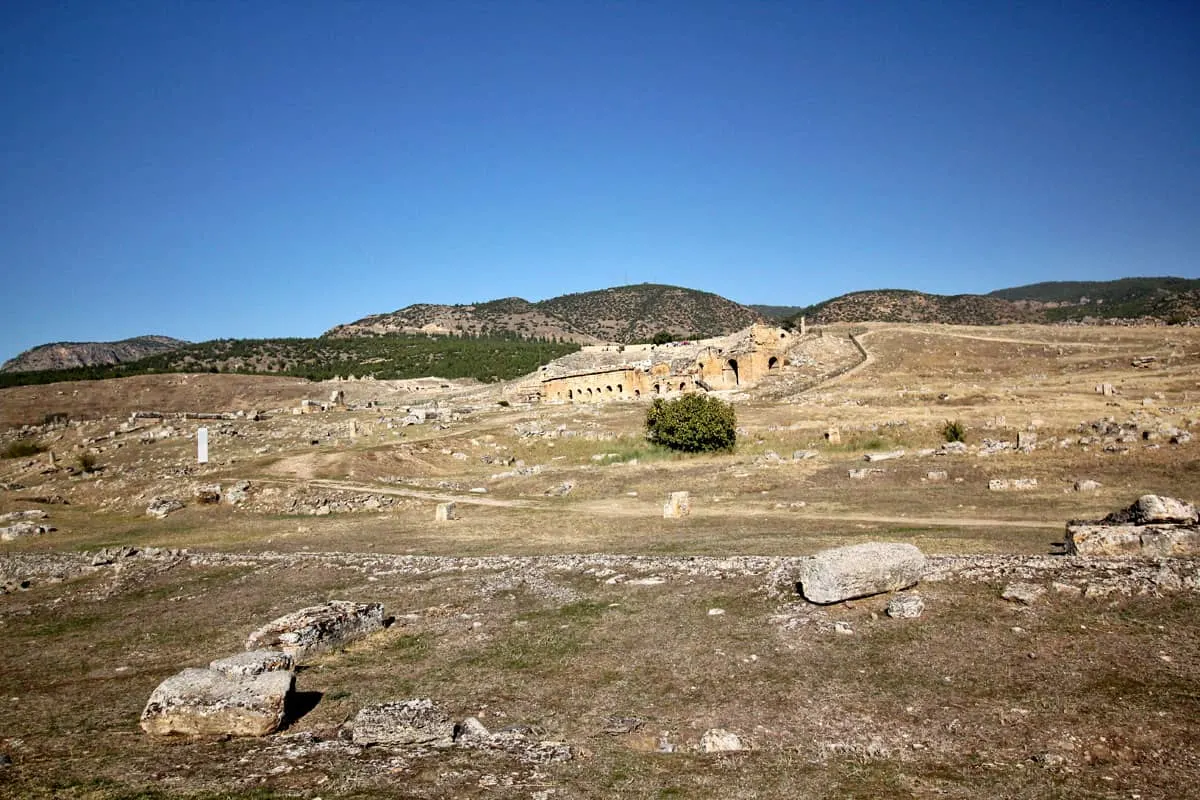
{"x":385,"y":357}
{"x":897,"y":305}
{"x":622,"y":314}
{"x":72,"y":355}
{"x":1170,"y":299}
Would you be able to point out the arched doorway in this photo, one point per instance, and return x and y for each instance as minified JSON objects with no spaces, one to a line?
{"x":772,"y":363}
{"x":733,"y":366}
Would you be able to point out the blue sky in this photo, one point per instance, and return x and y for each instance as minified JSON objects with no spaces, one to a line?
{"x":208,"y":169}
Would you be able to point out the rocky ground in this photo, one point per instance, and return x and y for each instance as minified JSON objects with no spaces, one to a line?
{"x":575,"y":641}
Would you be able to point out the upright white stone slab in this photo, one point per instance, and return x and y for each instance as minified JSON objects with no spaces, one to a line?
{"x":202,"y":445}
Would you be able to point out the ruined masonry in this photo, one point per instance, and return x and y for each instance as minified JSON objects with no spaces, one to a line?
{"x":603,"y":372}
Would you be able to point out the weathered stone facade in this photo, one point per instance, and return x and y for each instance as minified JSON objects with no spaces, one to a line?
{"x":710,"y":365}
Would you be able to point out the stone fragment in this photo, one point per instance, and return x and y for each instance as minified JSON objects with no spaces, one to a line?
{"x":866,"y":472}
{"x":844,"y":573}
{"x":11,"y":533}
{"x":888,"y":456}
{"x":1024,"y":593}
{"x":236,"y":495}
{"x":204,"y":702}
{"x":562,"y":490}
{"x":937,"y":475}
{"x":1014,"y":484}
{"x":678,"y":505}
{"x":833,"y":436}
{"x":445,"y":512}
{"x":905,"y":606}
{"x":471,"y":730}
{"x":209,"y":494}
{"x":161,"y":506}
{"x":404,"y":722}
{"x":1155,"y":509}
{"x":253,"y":662}
{"x":719,"y":740}
{"x":1026,"y":440}
{"x":1085,"y":539}
{"x":318,"y":629}
{"x":803,"y":455}
{"x":1086,"y":485}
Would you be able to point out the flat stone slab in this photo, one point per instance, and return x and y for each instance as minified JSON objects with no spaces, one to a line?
{"x":204,"y":702}
{"x":318,"y":629}
{"x":403,"y":722}
{"x":253,"y":662}
{"x":860,"y":570}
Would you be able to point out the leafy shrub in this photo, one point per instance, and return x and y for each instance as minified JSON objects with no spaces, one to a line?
{"x":954,"y":431}
{"x":56,"y":418}
{"x":86,"y":461}
{"x":21,"y":448}
{"x":693,"y":423}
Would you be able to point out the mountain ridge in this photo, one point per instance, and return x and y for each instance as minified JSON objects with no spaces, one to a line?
{"x":70,"y":355}
{"x":622,"y":314}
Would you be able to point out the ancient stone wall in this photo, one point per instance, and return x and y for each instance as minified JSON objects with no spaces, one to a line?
{"x":758,"y":351}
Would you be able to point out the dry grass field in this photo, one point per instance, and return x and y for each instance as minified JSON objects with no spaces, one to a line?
{"x":584,"y":614}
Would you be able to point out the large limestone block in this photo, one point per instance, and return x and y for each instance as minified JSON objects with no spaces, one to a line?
{"x":404,"y":722}
{"x":1085,"y":539}
{"x":204,"y":702}
{"x":860,"y":570}
{"x":318,"y":629}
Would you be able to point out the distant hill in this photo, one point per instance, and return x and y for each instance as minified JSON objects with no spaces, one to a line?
{"x":621,"y":314}
{"x":1169,"y":299}
{"x":71,"y":355}
{"x":1172,"y":300}
{"x":902,"y":305}
{"x":388,"y":356}
{"x":776,"y":312}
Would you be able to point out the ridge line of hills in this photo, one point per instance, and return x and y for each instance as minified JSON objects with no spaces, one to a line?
{"x":623,"y":314}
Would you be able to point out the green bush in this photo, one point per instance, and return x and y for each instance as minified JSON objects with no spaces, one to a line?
{"x":21,"y":448}
{"x":954,"y":431}
{"x":694,"y":423}
{"x":86,"y":461}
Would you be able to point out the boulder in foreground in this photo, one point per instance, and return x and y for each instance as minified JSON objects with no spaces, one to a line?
{"x":860,"y":570}
{"x":204,"y":702}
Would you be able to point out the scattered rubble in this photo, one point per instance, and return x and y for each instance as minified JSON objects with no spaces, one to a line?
{"x":160,"y":507}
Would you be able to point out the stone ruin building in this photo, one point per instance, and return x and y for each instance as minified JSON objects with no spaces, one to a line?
{"x":602,"y":373}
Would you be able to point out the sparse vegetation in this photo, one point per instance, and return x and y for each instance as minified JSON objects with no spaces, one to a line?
{"x":386,"y":357}
{"x":22,"y":448}
{"x":86,"y":461}
{"x":693,"y":423}
{"x":954,"y":431}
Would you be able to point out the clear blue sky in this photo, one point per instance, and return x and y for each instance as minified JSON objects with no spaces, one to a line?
{"x":208,"y":169}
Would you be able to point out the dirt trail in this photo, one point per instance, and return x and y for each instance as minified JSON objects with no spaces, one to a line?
{"x":373,"y":488}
